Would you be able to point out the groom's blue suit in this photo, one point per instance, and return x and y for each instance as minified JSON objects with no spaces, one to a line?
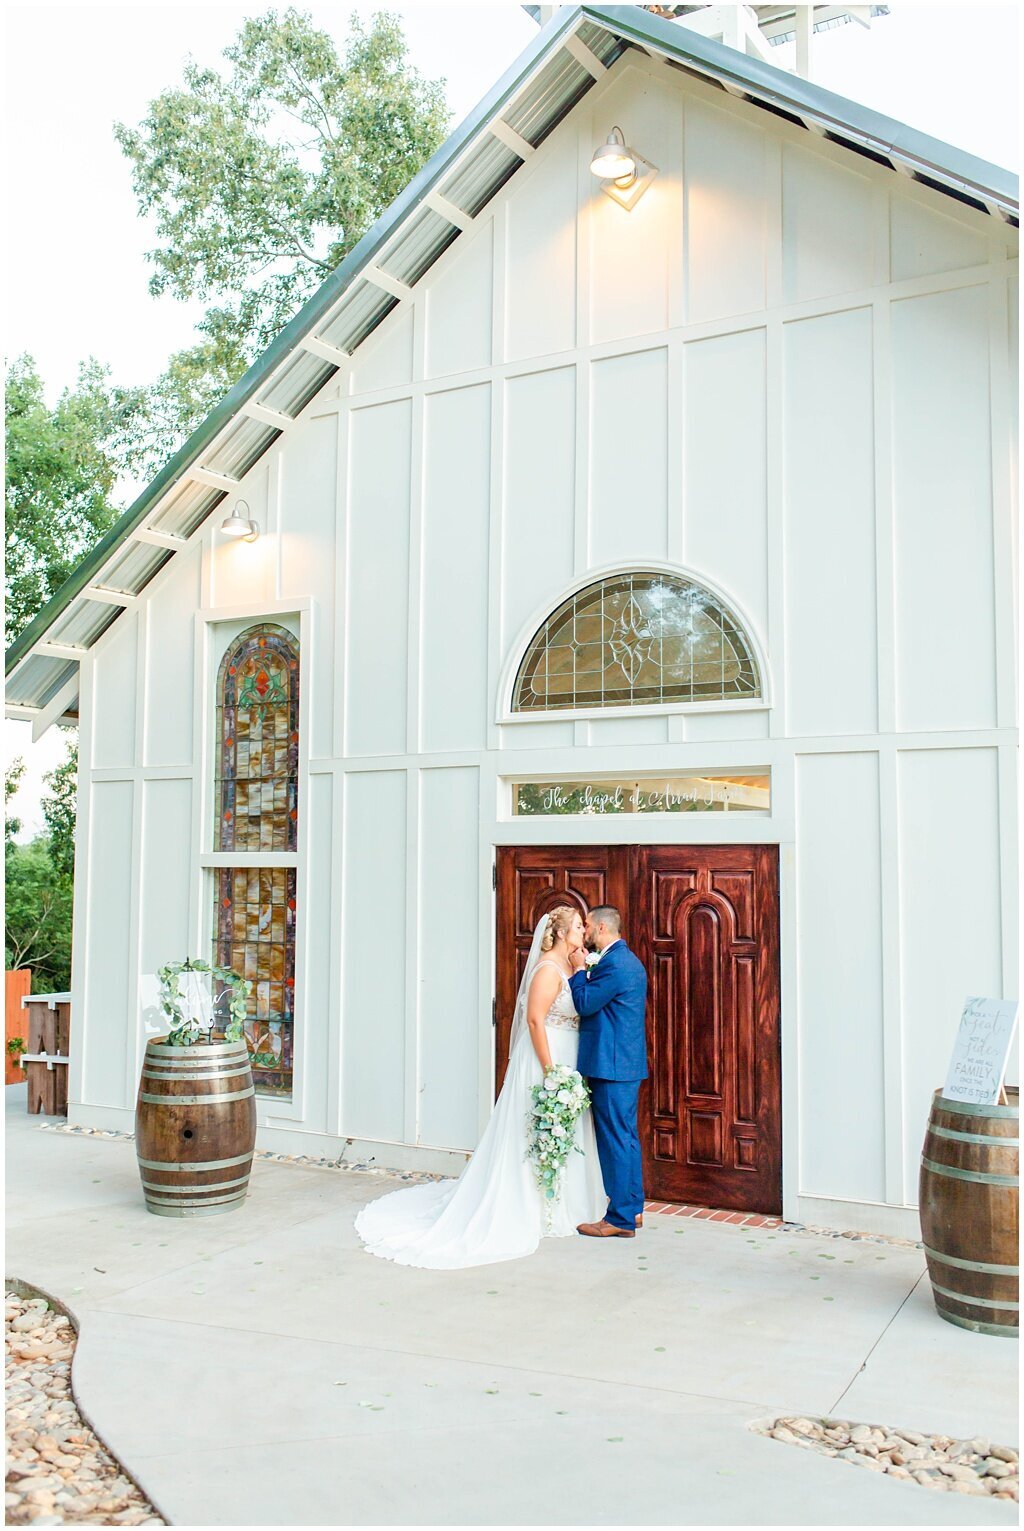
{"x":611,"y":1002}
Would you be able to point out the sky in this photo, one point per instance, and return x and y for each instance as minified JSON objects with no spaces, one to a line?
{"x":75,"y":270}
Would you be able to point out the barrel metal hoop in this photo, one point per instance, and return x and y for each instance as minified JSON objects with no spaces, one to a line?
{"x":195,"y":1100}
{"x":980,"y":1176}
{"x":1011,"y":1331}
{"x":216,"y":1050}
{"x":194,"y":1164}
{"x":165,"y":1209}
{"x":977,"y":1302}
{"x":973,"y":1137}
{"x":204,"y":1201}
{"x":968,"y":1108}
{"x":192,"y":1190}
{"x":985,"y":1266}
{"x":180,"y":1074}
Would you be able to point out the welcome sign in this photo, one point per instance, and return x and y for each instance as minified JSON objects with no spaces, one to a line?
{"x":982,"y":1046}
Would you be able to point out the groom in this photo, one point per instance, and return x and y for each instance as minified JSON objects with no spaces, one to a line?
{"x":611,"y":1000}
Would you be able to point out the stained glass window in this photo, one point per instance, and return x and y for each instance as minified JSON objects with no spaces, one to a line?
{"x":258,"y":742}
{"x":255,"y":936}
{"x":637,"y":639}
{"x":256,"y":787}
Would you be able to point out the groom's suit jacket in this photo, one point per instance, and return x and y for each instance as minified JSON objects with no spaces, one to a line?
{"x":611,"y":1001}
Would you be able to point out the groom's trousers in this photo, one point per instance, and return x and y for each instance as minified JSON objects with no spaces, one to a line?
{"x":618,"y":1148}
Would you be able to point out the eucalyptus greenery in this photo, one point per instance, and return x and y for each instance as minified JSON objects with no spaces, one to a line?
{"x":184,"y":1032}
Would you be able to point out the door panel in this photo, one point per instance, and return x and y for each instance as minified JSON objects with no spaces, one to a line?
{"x":704,"y":921}
{"x":532,"y":880}
{"x":707,"y":927}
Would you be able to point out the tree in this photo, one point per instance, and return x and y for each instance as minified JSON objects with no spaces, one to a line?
{"x":12,"y":781}
{"x":59,"y":807}
{"x":60,"y":476}
{"x":38,"y":916}
{"x":262,"y":179}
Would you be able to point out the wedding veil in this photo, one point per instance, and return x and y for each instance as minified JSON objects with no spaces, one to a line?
{"x":519,"y":1014}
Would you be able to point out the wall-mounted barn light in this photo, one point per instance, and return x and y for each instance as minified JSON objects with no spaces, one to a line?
{"x":237,"y":525}
{"x":624,"y":174}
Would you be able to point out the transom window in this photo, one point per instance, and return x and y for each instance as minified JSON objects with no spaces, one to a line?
{"x":636,"y":639}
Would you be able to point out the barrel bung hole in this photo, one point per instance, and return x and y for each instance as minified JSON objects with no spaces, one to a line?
{"x":186,"y":1132}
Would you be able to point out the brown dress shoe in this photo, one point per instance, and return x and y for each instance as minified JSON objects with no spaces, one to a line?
{"x":603,"y":1230}
{"x":639,"y":1219}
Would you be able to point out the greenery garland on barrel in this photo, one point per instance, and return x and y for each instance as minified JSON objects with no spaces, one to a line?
{"x":186,"y":1030}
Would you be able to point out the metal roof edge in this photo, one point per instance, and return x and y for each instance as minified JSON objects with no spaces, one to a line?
{"x":360,"y":256}
{"x":630,"y":23}
{"x":634,"y":24}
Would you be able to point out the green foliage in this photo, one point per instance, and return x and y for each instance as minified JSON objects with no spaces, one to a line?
{"x":39,"y":905}
{"x":59,"y":807}
{"x":261,"y":178}
{"x":60,"y":476}
{"x":12,"y":780}
{"x":16,"y":1046}
{"x":185,"y":1031}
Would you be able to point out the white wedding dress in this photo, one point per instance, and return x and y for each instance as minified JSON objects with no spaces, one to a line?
{"x":495,"y":1211}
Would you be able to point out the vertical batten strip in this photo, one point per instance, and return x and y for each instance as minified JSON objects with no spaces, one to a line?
{"x":413,"y":949}
{"x":273,"y":529}
{"x":340,"y":633}
{"x":80,"y":1031}
{"x":414,"y":682}
{"x":677,"y":502}
{"x":1003,"y":562}
{"x":890,"y":924}
{"x":1009,"y":870}
{"x":136,"y":1044}
{"x":885,"y":551}
{"x":775,"y":486}
{"x":496,"y":562}
{"x":676,"y":485}
{"x":581,"y":730}
{"x":495,"y":548}
{"x":335,"y":1011}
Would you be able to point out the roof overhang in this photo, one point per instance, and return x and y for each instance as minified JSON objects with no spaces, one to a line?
{"x":568,"y":56}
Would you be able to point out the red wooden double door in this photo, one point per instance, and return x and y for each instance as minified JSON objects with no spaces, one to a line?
{"x":704,"y":921}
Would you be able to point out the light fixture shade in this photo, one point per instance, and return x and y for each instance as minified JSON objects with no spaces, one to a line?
{"x":239,"y":525}
{"x":612,"y":160}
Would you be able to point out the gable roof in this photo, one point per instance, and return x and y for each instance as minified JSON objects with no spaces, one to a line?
{"x":573,"y":51}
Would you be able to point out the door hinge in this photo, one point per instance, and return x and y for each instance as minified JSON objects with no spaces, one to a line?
{"x":494,"y":875}
{"x":494,"y":1012}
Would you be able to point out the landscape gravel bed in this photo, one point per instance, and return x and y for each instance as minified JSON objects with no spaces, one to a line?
{"x":58,"y":1470}
{"x":938,"y":1462}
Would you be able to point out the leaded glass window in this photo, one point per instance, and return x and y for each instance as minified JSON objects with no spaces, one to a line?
{"x":256,"y":812}
{"x":637,"y":639}
{"x":258,"y":738}
{"x":255,"y":936}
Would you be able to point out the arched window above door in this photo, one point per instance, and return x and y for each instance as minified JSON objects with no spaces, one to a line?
{"x":637,"y":639}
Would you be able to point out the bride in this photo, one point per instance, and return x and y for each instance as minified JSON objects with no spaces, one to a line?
{"x":495,"y":1211}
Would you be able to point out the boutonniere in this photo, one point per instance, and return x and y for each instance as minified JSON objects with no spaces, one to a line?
{"x":592,"y":959}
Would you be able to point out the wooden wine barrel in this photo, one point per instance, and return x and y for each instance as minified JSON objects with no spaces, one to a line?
{"x":195,"y":1128}
{"x":969,"y":1199}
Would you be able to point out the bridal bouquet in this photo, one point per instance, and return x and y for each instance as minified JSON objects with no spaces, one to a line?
{"x":558,"y":1103}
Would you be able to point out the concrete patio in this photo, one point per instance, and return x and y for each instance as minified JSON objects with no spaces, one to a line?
{"x":260,"y":1368}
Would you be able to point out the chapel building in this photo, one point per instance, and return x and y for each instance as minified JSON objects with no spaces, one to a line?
{"x":646,"y":540}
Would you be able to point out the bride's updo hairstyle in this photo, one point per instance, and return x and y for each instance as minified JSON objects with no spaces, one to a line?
{"x":559,"y":923}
